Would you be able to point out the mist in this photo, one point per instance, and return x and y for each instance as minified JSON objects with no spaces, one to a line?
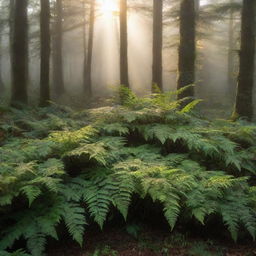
{"x":212,"y":83}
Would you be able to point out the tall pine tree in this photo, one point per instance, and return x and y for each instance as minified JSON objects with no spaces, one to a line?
{"x":124,"y":73}
{"x":2,"y":87}
{"x":19,"y":52}
{"x":244,"y":100}
{"x":157,"y":70}
{"x":58,"y":81}
{"x":187,"y":47}
{"x":45,"y":52}
{"x":88,"y":66}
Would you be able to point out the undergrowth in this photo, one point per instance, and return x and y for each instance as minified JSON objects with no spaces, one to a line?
{"x":58,"y":166}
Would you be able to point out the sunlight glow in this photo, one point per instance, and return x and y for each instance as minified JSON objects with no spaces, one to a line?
{"x":108,"y":7}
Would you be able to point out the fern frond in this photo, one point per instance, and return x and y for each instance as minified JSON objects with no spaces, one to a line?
{"x":31,"y":192}
{"x":122,"y":188}
{"x":95,"y":151}
{"x":16,"y":253}
{"x":98,"y":200}
{"x":231,"y":219}
{"x":74,"y":217}
{"x":116,"y":128}
{"x":190,"y":106}
{"x":36,"y":244}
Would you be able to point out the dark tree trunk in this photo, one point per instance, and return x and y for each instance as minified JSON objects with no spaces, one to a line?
{"x":231,"y":46}
{"x":2,"y":86}
{"x":187,"y":48}
{"x":58,"y":81}
{"x":45,"y":52}
{"x":244,"y":104}
{"x":88,"y":67}
{"x":19,"y":48}
{"x":11,"y":22}
{"x":124,"y":77}
{"x":157,"y":72}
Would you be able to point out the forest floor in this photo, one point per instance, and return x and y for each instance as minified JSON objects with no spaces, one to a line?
{"x":117,"y":242}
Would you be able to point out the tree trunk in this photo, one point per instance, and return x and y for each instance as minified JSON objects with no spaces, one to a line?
{"x":157,"y":72}
{"x":58,"y":81}
{"x":88,"y":69}
{"x":11,"y":22}
{"x":187,"y":48}
{"x":231,"y":46}
{"x":19,"y":48}
{"x":84,"y":45}
{"x":2,"y":86}
{"x":124,"y":77}
{"x":244,"y":104}
{"x":45,"y":52}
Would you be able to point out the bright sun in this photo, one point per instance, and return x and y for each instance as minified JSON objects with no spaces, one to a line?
{"x":108,"y":7}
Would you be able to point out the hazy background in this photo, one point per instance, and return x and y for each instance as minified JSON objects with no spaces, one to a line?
{"x":212,"y":51}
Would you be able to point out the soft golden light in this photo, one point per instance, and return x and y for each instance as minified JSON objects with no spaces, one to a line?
{"x":108,"y":7}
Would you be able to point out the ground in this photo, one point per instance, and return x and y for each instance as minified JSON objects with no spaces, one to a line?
{"x":117,"y":242}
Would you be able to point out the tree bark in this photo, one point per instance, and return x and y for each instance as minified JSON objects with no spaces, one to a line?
{"x":231,"y":46}
{"x":45,"y":39}
{"x":11,"y":22}
{"x":244,"y":102}
{"x":124,"y":75}
{"x":58,"y":81}
{"x":157,"y":72}
{"x":187,"y":48}
{"x":84,"y":45}
{"x":88,"y":69}
{"x":2,"y":86}
{"x":19,"y":48}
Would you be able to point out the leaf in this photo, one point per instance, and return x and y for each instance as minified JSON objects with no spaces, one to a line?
{"x":190,"y":106}
{"x":31,"y":192}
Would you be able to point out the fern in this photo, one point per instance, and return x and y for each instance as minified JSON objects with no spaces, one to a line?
{"x":31,"y":192}
{"x":75,"y":221}
{"x":98,"y":200}
{"x":123,"y":187}
{"x":16,"y":253}
{"x":158,"y":131}
{"x":190,"y":106}
{"x":148,"y":146}
{"x":69,"y":140}
{"x":94,"y":151}
{"x":118,"y":128}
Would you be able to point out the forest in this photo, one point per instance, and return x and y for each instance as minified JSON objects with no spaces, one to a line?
{"x":127,"y":127}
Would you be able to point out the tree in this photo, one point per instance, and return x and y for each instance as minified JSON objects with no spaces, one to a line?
{"x":88,"y":69}
{"x":244,"y":102}
{"x":11,"y":22}
{"x":2,"y":87}
{"x":157,"y":44}
{"x":19,"y":56}
{"x":187,"y":48}
{"x":231,"y":55}
{"x":84,"y":45}
{"x":124,"y":75}
{"x":58,"y":80}
{"x":45,"y":39}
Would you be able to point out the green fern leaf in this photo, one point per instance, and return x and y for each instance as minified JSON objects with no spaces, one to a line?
{"x":31,"y":192}
{"x":190,"y":106}
{"x":74,"y":217}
